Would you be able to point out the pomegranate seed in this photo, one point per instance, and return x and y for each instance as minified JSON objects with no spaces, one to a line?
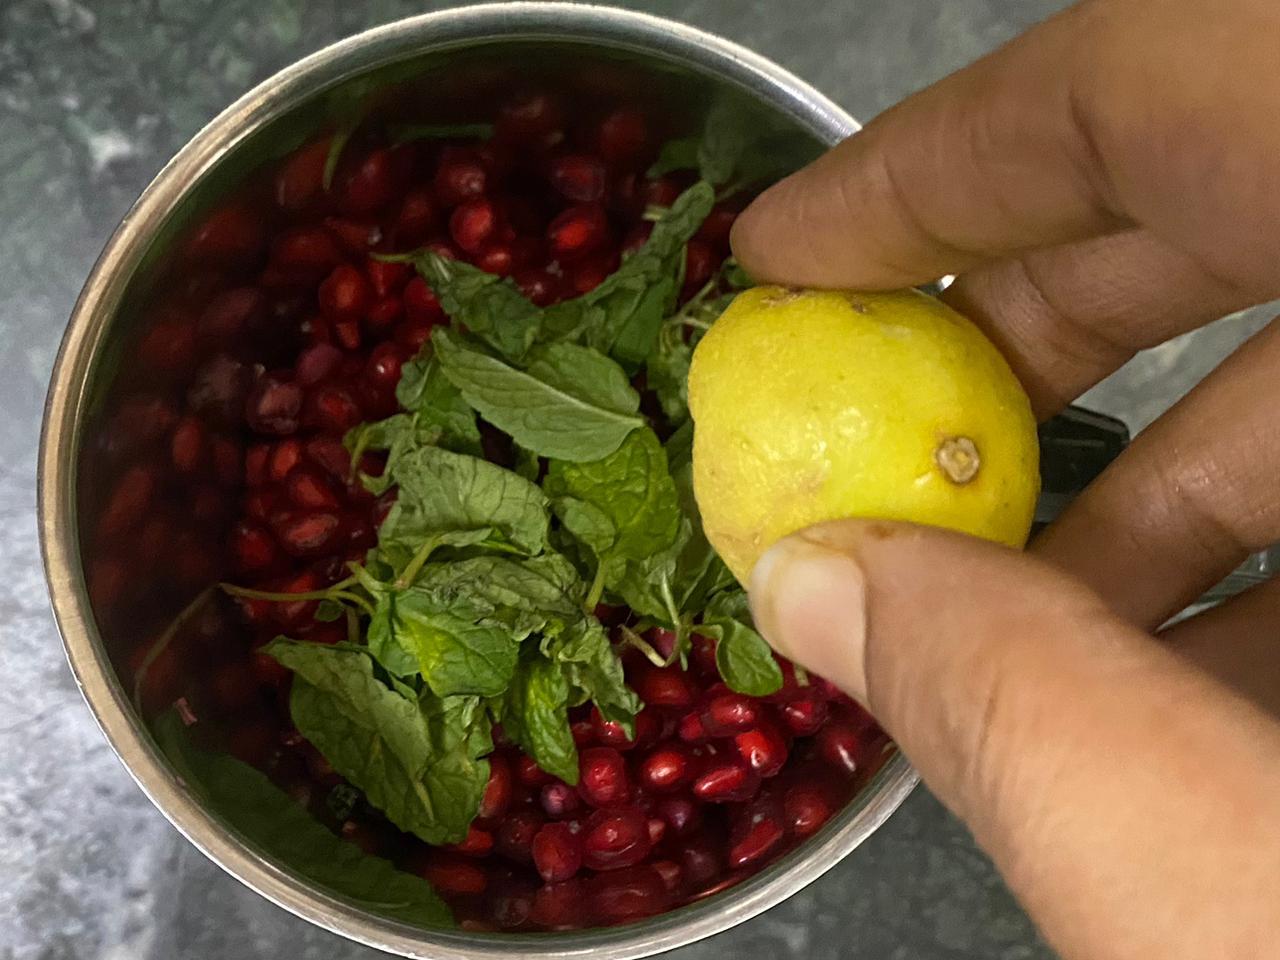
{"x":724,"y":781}
{"x":682,"y":815}
{"x":497,"y":792}
{"x":331,"y":408}
{"x":187,"y":446}
{"x":255,"y":463}
{"x":623,"y":135}
{"x":584,"y":733}
{"x":168,"y":347}
{"x":300,"y":182}
{"x":535,"y":119}
{"x":354,"y":236}
{"x":630,"y":894}
{"x":715,"y":229}
{"x":472,"y":224}
{"x":454,"y":876}
{"x":610,"y":733}
{"x":273,"y":406}
{"x":613,"y":839}
{"x":806,"y":808}
{"x":756,"y":832}
{"x":495,"y":258}
{"x":586,"y":276}
{"x":557,"y":852}
{"x":383,"y":368}
{"x":700,"y":262}
{"x":347,"y":334}
{"x":530,"y":774}
{"x":667,"y":768}
{"x":578,"y":177}
{"x":671,"y":872}
{"x":841,"y":746}
{"x":729,"y":713}
{"x":477,"y":843}
{"x":285,"y":455}
{"x":387,"y":279}
{"x":232,"y":688}
{"x":268,"y":671}
{"x":700,"y":860}
{"x":602,"y":777}
{"x":762,"y":749}
{"x":252,"y":547}
{"x":306,"y":534}
{"x":262,"y":503}
{"x":578,"y":231}
{"x":559,"y":800}
{"x":310,"y":489}
{"x":228,"y":461}
{"x":384,"y":314}
{"x":232,"y":235}
{"x":129,"y":499}
{"x":662,"y":192}
{"x":537,"y":285}
{"x":373,"y":183}
{"x":510,"y":902}
{"x":804,"y":717}
{"x":108,"y":578}
{"x":459,"y":180}
{"x":219,"y":389}
{"x":416,"y":219}
{"x":142,"y":420}
{"x":308,"y":252}
{"x":692,"y":730}
{"x":664,"y":686}
{"x":316,"y":363}
{"x":421,"y":303}
{"x":657,"y":830}
{"x":561,"y":906}
{"x":514,"y":839}
{"x":382,"y":506}
{"x":663,"y":641}
{"x":345,"y":294}
{"x":442,"y":248}
{"x":702,"y":656}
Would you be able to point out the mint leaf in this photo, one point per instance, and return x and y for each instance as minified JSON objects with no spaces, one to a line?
{"x":456,"y":651}
{"x":680,"y":154}
{"x":534,"y":713}
{"x":442,"y":492}
{"x":425,"y":391}
{"x":745,"y":661}
{"x":667,"y":372}
{"x":489,"y":306}
{"x":545,"y":589}
{"x":594,"y":671}
{"x":416,"y":761}
{"x":624,"y":505}
{"x":570,"y":402}
{"x":270,"y":819}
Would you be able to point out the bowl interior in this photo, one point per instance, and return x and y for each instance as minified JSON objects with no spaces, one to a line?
{"x":131,"y":591}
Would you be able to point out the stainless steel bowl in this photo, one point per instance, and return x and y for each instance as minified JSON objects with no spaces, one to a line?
{"x":486,"y":48}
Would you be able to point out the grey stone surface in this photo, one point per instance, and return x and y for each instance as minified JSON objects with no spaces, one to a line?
{"x":94,"y":96}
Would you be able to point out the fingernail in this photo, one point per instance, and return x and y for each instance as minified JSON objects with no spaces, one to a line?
{"x":809,"y":601}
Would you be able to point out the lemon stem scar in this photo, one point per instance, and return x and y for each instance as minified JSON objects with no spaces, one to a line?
{"x":958,"y":457}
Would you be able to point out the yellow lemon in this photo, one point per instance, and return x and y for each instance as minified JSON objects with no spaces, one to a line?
{"x":817,"y":405}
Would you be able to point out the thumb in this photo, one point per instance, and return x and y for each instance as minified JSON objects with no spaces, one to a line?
{"x":1073,"y":745}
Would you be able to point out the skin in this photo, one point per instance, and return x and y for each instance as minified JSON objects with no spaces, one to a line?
{"x":1101,"y":184}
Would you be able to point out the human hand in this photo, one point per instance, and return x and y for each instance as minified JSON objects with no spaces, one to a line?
{"x":1107,"y":181}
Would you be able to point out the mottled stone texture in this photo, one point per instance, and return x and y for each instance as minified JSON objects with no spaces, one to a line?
{"x":94,"y":97}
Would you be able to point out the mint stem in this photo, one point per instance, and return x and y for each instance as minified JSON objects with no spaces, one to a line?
{"x":416,"y":564}
{"x":632,"y":638}
{"x":329,"y":593}
{"x":163,"y":641}
{"x":596,"y":591}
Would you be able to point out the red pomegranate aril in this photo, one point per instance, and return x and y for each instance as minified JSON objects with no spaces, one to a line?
{"x":539,"y":286}
{"x":613,"y":839}
{"x":416,"y":220}
{"x":578,"y":177}
{"x":495,"y":258}
{"x":253,"y":548}
{"x":108,"y":580}
{"x":356,"y":237}
{"x":666,"y":768}
{"x":584,"y":733}
{"x":806,"y":808}
{"x":682,"y":815}
{"x":657,"y":830}
{"x":255,"y":463}
{"x":268,"y":671}
{"x":610,"y":733}
{"x":841,"y":746}
{"x":700,"y":262}
{"x":332,"y":409}
{"x":228,"y":462}
{"x":383,"y":367}
{"x":382,"y":506}
{"x":345,"y":294}
{"x":421,"y":303}
{"x":630,"y":894}
{"x":661,"y":192}
{"x":472,"y":224}
{"x":729,"y":713}
{"x":725,"y":781}
{"x":663,"y":641}
{"x":454,"y":876}
{"x":300,"y":182}
{"x":557,"y":852}
{"x":371,"y":184}
{"x":623,"y":135}
{"x":310,"y":489}
{"x":384,"y":314}
{"x":535,"y":119}
{"x":497,"y":792}
{"x":561,"y":906}
{"x":803,"y":717}
{"x":231,"y":313}
{"x":262,"y":503}
{"x":142,"y":420}
{"x":477,"y":843}
{"x":187,"y":446}
{"x":559,"y":800}
{"x":763,"y":749}
{"x":715,"y":229}
{"x":274,"y":406}
{"x":578,"y":231}
{"x":129,"y":499}
{"x":602,"y":777}
{"x":530,"y":774}
{"x":510,"y":901}
{"x":219,"y":388}
{"x":307,"y":534}
{"x":586,"y":276}
{"x":285,"y":455}
{"x":756,"y":831}
{"x":387,"y":278}
{"x":346,"y":333}
{"x":308,"y":252}
{"x":168,"y":347}
{"x":691,"y":728}
{"x":317,"y":363}
{"x":459,"y":180}
{"x":514,"y":839}
{"x":232,"y":234}
{"x":668,"y":687}
{"x":232,"y":688}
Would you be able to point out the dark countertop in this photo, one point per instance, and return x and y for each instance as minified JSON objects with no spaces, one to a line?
{"x":94,"y":98}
